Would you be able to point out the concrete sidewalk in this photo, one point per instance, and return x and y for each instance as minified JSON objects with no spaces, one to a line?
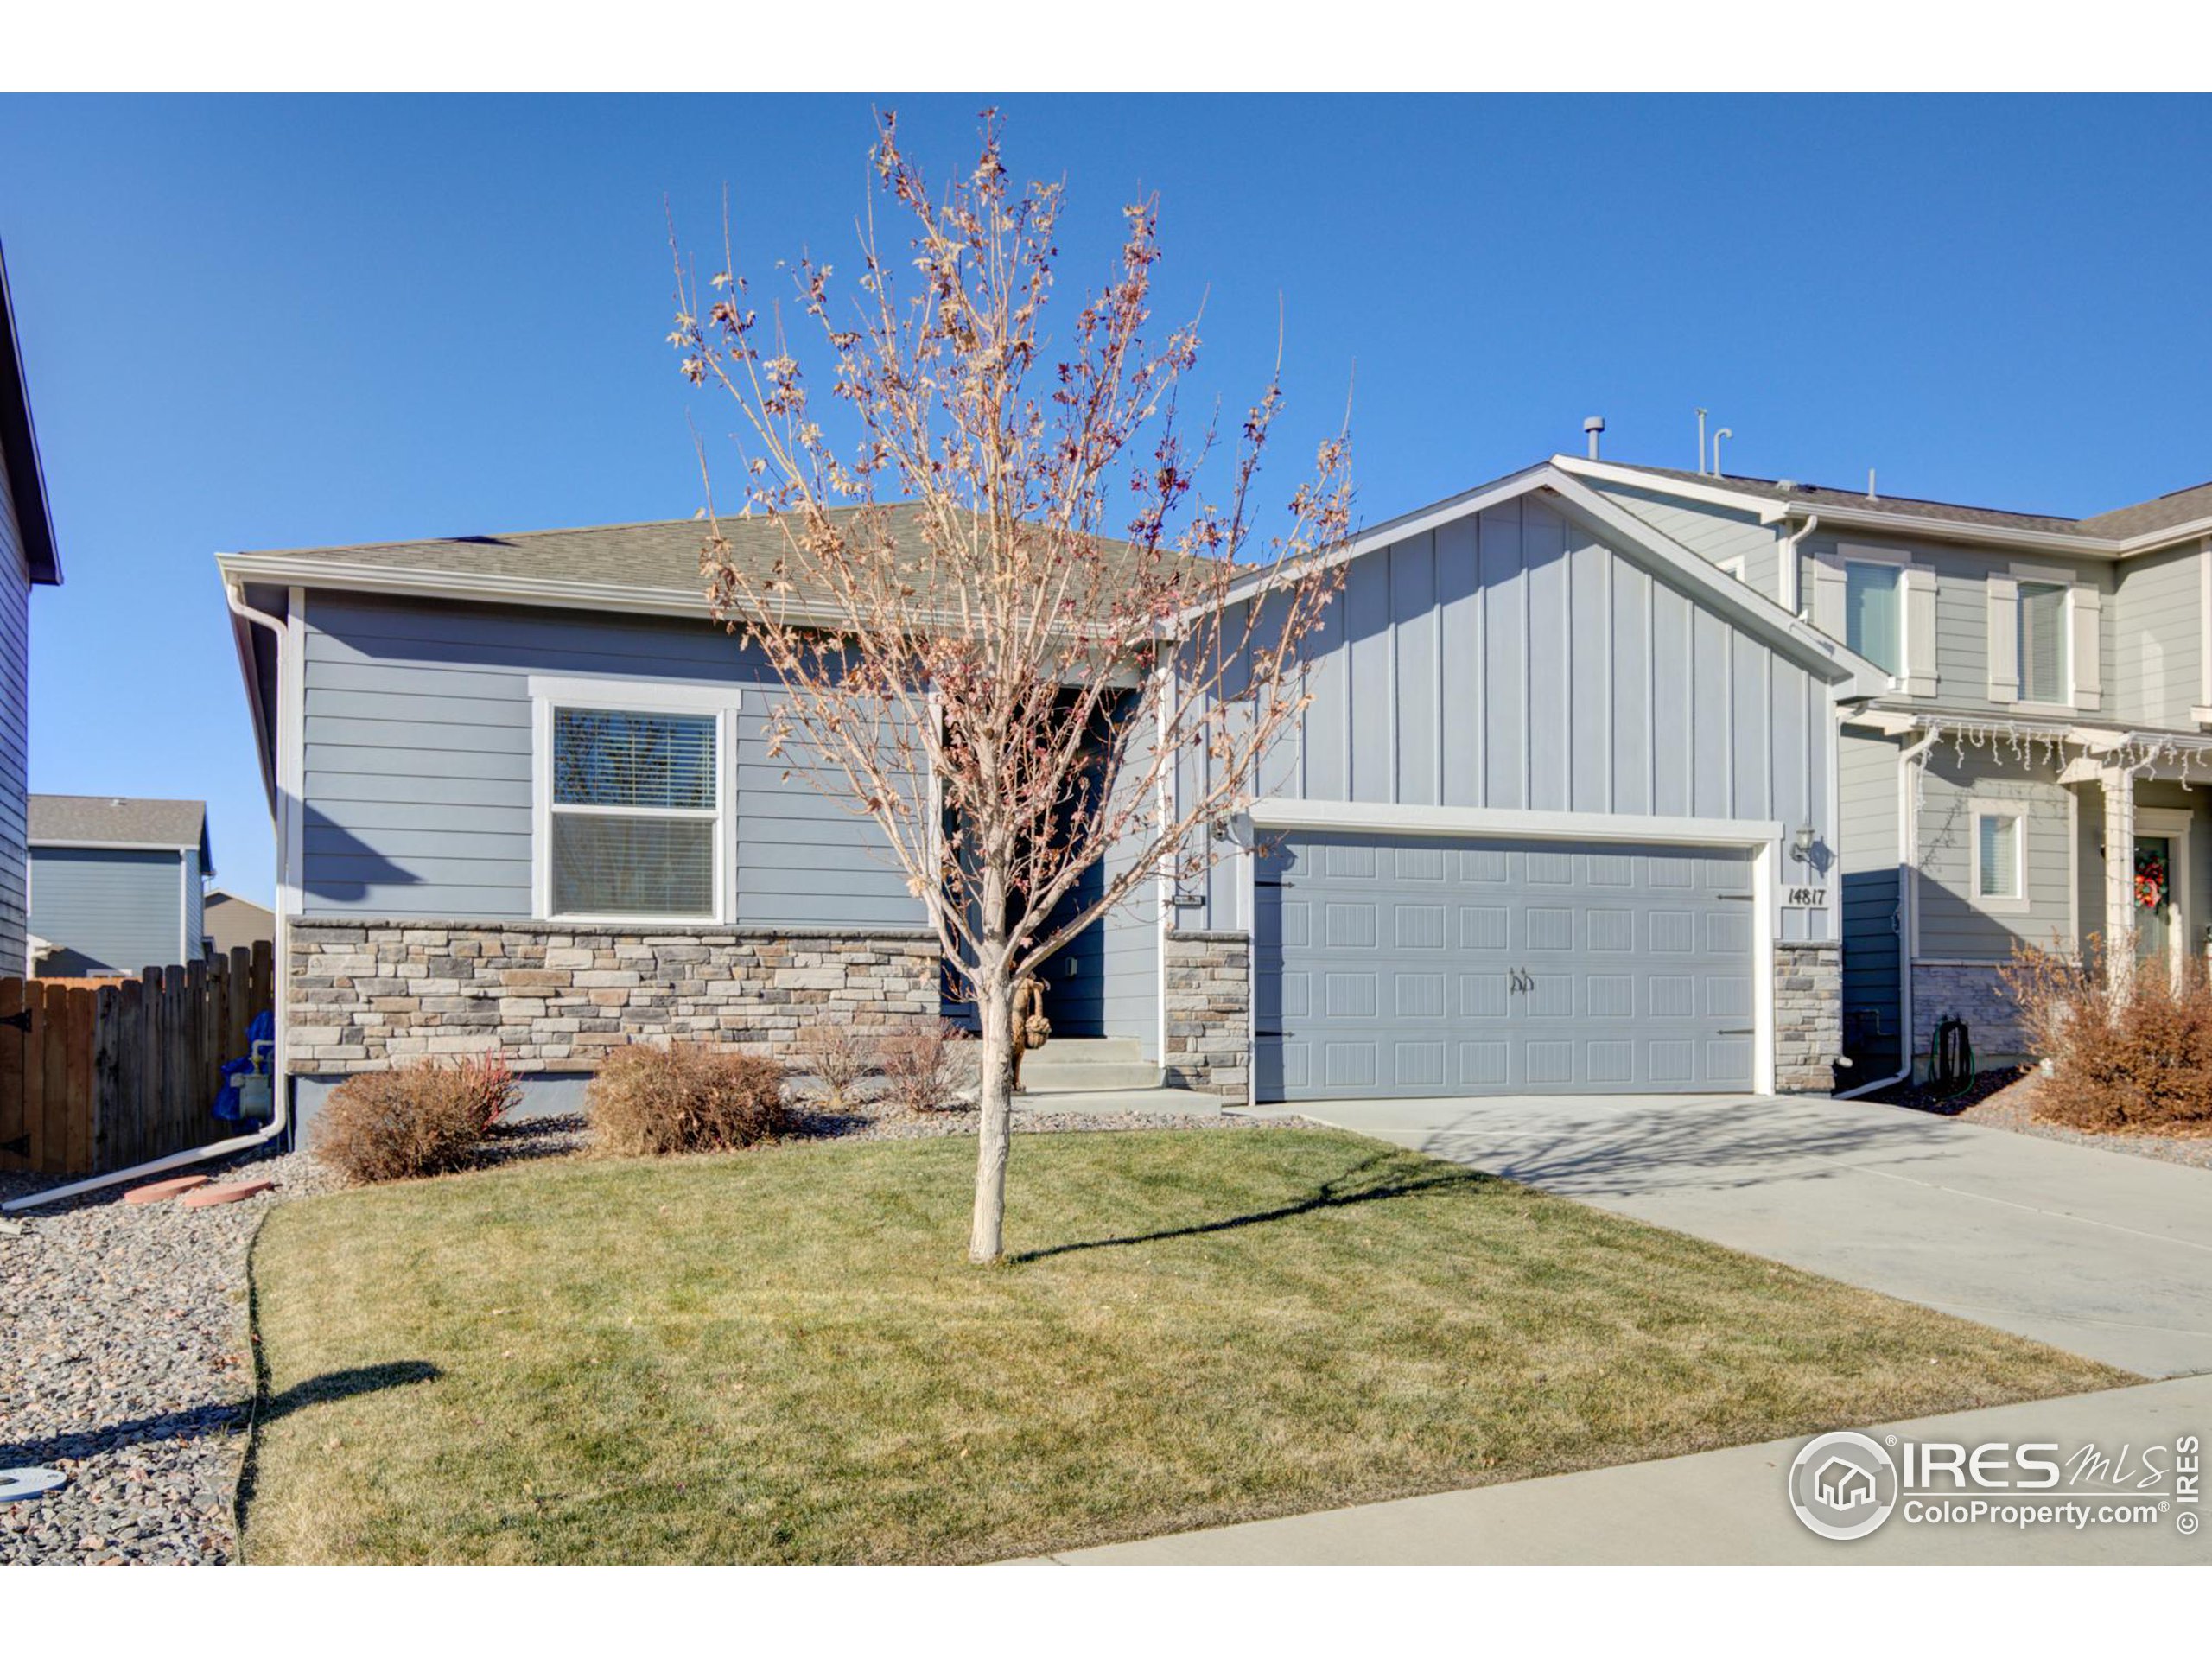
{"x":1727,"y":1507}
{"x":2100,"y":1253}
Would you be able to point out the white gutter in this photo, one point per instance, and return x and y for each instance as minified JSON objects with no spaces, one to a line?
{"x":280,"y":1119}
{"x":1908,"y":916}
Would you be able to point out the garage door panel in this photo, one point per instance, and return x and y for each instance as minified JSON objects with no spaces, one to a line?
{"x":1420,"y":965}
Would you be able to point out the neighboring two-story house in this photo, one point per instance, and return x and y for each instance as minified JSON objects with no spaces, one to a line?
{"x":117,"y":883}
{"x":27,"y":559}
{"x":2034,"y":770}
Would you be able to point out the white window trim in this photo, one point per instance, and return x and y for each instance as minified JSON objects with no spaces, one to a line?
{"x":1733,"y":565}
{"x":2013,"y":904}
{"x":2046,"y":576}
{"x":549,"y":692}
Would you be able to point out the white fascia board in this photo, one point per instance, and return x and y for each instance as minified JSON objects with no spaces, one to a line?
{"x":115,"y":846}
{"x":1910,"y":527}
{"x":1717,"y":494}
{"x":1273,"y":812}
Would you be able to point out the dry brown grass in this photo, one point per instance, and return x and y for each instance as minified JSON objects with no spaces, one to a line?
{"x":419,"y":1119}
{"x":784,"y":1356}
{"x":2131,"y":1054}
{"x":685,"y":1097}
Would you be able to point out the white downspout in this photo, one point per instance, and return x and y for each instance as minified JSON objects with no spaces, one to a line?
{"x":1908,"y":914}
{"x":280,"y":1119}
{"x":1789,"y":582}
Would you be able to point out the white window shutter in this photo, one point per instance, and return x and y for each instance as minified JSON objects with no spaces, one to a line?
{"x":2088,"y":651}
{"x":2003,"y":639}
{"x":1919,"y":631}
{"x":1827,"y":595}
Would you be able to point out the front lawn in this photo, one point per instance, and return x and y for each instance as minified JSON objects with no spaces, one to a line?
{"x":781,"y":1354}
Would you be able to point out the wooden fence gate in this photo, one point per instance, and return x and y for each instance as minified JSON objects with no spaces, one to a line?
{"x":95,"y":1078}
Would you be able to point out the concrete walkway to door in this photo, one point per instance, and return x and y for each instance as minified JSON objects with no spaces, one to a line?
{"x":2099,"y":1253}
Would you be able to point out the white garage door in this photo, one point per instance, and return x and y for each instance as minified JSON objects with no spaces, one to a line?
{"x":1396,"y":965}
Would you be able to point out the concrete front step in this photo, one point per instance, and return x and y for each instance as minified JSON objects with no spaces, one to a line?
{"x":1161,"y":1102}
{"x":1042,"y":1076}
{"x":1091,"y":1048}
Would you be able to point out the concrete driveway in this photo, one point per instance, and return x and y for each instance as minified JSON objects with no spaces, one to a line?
{"x":2100,"y":1253}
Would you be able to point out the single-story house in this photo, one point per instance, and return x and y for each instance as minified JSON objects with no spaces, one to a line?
{"x":1564,"y":814}
{"x":231,"y":922}
{"x":116,"y":884}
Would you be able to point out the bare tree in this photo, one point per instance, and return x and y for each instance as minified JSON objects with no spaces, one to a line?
{"x":1011,"y":627}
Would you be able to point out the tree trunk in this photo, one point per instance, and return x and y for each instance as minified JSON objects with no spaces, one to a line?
{"x":995,"y":1107}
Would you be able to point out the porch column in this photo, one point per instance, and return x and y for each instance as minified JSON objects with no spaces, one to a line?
{"x":2119,"y":871}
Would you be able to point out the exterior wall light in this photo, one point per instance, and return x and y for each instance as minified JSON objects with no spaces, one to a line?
{"x":1800,"y":845}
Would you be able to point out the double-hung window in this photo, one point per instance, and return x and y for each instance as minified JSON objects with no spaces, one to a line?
{"x":632,"y":816}
{"x":1873,"y":613}
{"x":2046,"y":672}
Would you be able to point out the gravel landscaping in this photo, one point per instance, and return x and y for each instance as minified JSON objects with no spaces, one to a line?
{"x":2004,"y":1099}
{"x":123,"y":1355}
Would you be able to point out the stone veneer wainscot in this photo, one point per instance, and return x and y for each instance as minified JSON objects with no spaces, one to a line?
{"x":1808,"y":1017}
{"x":1209,"y":992}
{"x":1970,"y":990}
{"x":553,"y":996}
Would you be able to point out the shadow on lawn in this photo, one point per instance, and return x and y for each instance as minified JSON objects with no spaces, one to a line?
{"x":1335,"y":1194}
{"x":197,"y":1420}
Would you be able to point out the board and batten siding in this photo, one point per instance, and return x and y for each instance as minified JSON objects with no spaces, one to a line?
{"x":1867,"y":771}
{"x":112,"y":910}
{"x":15,"y":728}
{"x":417,"y":796}
{"x":1514,"y":659}
{"x":1710,"y":531}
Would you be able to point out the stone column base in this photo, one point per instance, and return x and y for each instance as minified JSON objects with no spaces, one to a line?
{"x":1208,"y":986}
{"x":1808,"y":1017}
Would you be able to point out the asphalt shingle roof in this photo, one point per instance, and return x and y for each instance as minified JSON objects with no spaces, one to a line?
{"x":2182,"y":507}
{"x":117,"y":818}
{"x":661,"y":556}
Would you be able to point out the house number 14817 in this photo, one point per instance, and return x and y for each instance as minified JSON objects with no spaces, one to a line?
{"x":1815,"y":898}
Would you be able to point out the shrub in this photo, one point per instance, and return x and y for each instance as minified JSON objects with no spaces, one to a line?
{"x":838,"y":1056}
{"x":419,"y":1119}
{"x":923,"y":1066}
{"x":686,"y":1098}
{"x":2132,"y":1055}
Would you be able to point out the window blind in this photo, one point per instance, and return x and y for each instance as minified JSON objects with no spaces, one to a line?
{"x":1872,"y":615}
{"x":2043,"y":642}
{"x":2000,"y":856}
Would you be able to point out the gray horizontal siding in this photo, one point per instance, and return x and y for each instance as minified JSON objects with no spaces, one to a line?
{"x":2154,"y":664}
{"x":1952,"y":926}
{"x":1514,"y":659}
{"x":417,"y":784}
{"x":1710,"y":531}
{"x":14,"y":726}
{"x":113,"y":911}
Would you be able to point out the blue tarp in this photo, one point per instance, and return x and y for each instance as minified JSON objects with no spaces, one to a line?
{"x":263,"y":1030}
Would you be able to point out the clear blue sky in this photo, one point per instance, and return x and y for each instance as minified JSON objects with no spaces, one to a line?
{"x":265,"y":323}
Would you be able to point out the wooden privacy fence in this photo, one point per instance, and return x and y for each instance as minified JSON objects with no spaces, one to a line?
{"x":99,"y":1078}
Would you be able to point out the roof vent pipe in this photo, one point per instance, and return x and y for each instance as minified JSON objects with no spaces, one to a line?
{"x":1870,"y":496}
{"x":1700,"y":442}
{"x":1591,"y":429}
{"x":1725,"y":432}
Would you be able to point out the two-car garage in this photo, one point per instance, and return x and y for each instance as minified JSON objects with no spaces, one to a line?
{"x":1425,"y":965}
